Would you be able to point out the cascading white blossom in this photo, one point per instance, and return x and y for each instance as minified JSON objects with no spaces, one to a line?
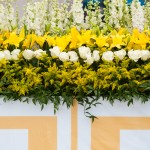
{"x":93,"y":16}
{"x":3,"y":22}
{"x":53,"y":13}
{"x":137,"y":12}
{"x":77,"y":14}
{"x":58,"y":16}
{"x":35,"y":17}
{"x":147,"y":15}
{"x":8,"y":20}
{"x":117,"y":14}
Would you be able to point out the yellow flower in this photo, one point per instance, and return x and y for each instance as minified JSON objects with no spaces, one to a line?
{"x":29,"y":41}
{"x":40,"y":40}
{"x":85,"y":38}
{"x":62,"y":42}
{"x":1,"y":39}
{"x":117,"y":41}
{"x":51,"y":41}
{"x":22,"y":33}
{"x":74,"y":38}
{"x":138,"y":40}
{"x":13,"y":39}
{"x":101,"y":41}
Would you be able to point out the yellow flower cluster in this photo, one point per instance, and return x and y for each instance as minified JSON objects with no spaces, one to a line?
{"x":74,"y":39}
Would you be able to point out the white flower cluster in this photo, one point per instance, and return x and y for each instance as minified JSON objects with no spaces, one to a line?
{"x":6,"y":54}
{"x":77,"y":13}
{"x":54,"y":15}
{"x":58,"y":16}
{"x":137,"y":12}
{"x":84,"y":52}
{"x":109,"y":55}
{"x":147,"y":15}
{"x":35,"y":17}
{"x":139,"y":54}
{"x":27,"y":54}
{"x":134,"y":55}
{"x":116,"y":11}
{"x":93,"y":16}
{"x":72,"y":56}
{"x":8,"y":20}
{"x":63,"y":17}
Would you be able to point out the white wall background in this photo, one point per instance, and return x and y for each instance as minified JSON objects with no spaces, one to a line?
{"x":19,"y":4}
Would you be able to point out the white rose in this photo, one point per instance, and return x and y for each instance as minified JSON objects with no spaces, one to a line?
{"x":120,"y":54}
{"x":145,"y":54}
{"x":38,"y":53}
{"x":7,"y":54}
{"x":64,"y":56}
{"x":108,"y":56}
{"x":28,"y":54}
{"x":96,"y":55}
{"x":83,"y":51}
{"x":135,"y":55}
{"x":73,"y":56}
{"x":55,"y":51}
{"x":90,"y":59}
{"x":15,"y":53}
{"x":2,"y":55}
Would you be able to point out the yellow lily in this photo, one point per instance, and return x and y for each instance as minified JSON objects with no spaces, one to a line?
{"x":85,"y":38}
{"x":63,"y":41}
{"x":40,"y":40}
{"x":117,"y":41}
{"x":51,"y":41}
{"x":13,"y":39}
{"x":1,"y":39}
{"x":74,"y":38}
{"x":101,"y":41}
{"x":29,"y":41}
{"x":138,"y":40}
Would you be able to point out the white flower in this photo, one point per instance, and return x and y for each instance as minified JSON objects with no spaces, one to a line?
{"x":120,"y":54}
{"x":28,"y":54}
{"x":64,"y":56}
{"x":2,"y":56}
{"x":96,"y":55}
{"x":108,"y":56}
{"x":83,"y":51}
{"x":55,"y":51}
{"x":73,"y":56}
{"x":15,"y":53}
{"x":7,"y":54}
{"x":79,"y":17}
{"x":90,"y":59}
{"x":145,"y":54}
{"x":137,"y":12}
{"x":38,"y":53}
{"x":134,"y":55}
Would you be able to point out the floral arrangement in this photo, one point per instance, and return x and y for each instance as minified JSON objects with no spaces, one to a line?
{"x":59,"y":53}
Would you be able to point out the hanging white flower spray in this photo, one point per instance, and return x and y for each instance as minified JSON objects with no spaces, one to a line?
{"x":77,"y":14}
{"x":58,"y":16}
{"x":147,"y":15}
{"x":35,"y":17}
{"x":93,"y":17}
{"x":8,"y":20}
{"x":137,"y":12}
{"x":117,"y":14}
